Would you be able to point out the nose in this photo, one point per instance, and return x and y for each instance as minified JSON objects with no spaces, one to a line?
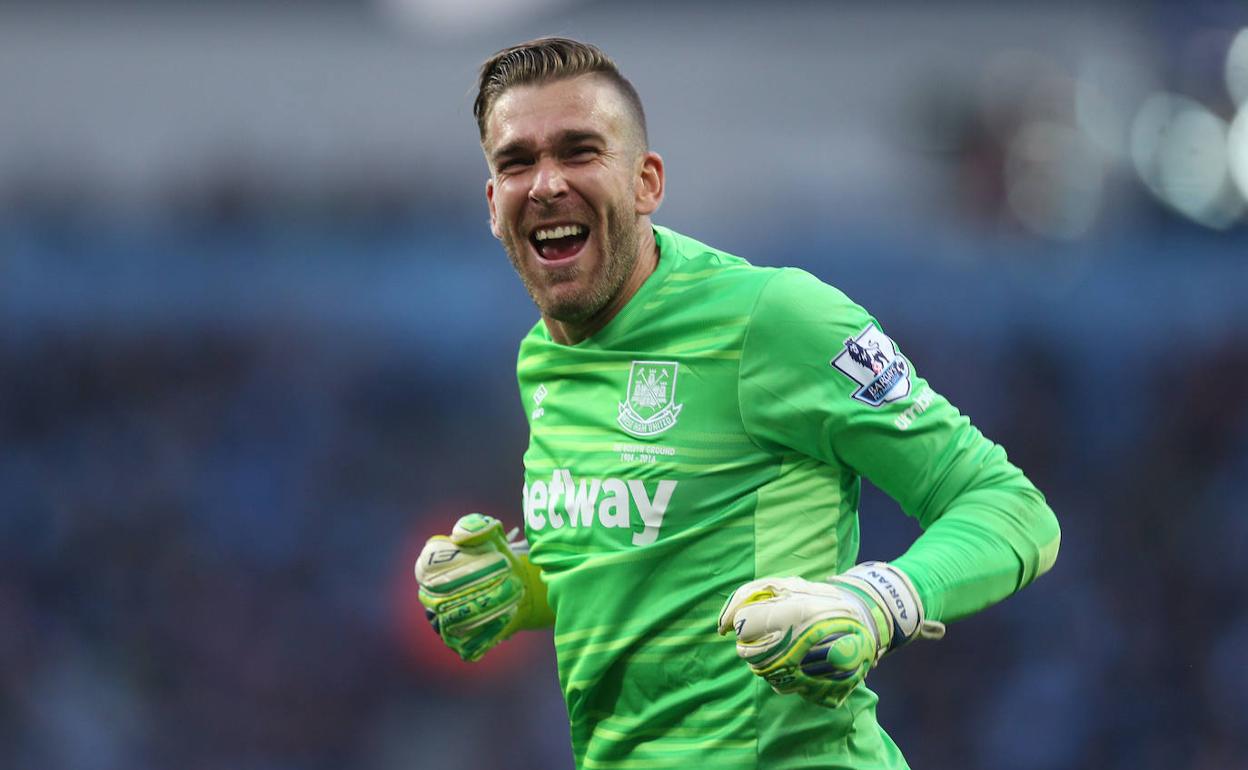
{"x":548,"y":182}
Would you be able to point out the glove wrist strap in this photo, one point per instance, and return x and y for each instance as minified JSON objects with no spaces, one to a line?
{"x":892,"y":590}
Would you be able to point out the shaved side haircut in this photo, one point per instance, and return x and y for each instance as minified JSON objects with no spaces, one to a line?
{"x":545,"y":60}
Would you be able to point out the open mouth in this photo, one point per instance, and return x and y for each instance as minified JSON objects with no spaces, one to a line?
{"x":559,"y":243}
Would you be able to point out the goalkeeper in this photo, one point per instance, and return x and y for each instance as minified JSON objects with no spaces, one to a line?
{"x":699,"y":429}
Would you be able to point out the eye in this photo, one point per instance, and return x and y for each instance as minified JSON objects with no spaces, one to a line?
{"x":582,"y":153}
{"x":512,"y":165}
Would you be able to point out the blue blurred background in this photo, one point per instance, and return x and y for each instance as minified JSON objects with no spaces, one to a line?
{"x":256,"y":343}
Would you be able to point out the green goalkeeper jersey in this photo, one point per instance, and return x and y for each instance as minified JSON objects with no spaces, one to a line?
{"x":716,"y":431}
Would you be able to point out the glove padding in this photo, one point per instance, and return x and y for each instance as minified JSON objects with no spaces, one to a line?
{"x":478,"y":588}
{"x":819,"y":640}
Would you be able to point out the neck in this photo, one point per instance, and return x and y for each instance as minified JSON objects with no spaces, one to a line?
{"x":570,"y":333}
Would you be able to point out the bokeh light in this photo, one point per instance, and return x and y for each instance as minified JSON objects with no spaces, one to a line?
{"x":1108,"y":90}
{"x":1179,"y":148}
{"x":1054,"y":179}
{"x":1237,"y":151}
{"x":1237,"y":68}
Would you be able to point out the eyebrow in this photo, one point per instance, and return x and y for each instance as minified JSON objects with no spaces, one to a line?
{"x":571,"y":136}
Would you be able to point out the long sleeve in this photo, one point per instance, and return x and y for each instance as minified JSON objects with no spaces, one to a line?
{"x":820,"y":377}
{"x":994,"y":536}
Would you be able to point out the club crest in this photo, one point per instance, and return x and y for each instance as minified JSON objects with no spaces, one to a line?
{"x":873,"y":362}
{"x":649,"y":406}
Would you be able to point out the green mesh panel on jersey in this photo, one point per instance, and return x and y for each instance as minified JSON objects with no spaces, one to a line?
{"x":704,"y":438}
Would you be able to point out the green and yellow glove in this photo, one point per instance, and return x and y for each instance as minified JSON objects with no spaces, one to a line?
{"x":819,"y":640}
{"x":478,"y":587}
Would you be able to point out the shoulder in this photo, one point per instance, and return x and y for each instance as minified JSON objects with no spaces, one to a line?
{"x":693,"y":259}
{"x":794,"y":299}
{"x":706,"y":280}
{"x":798,"y":317}
{"x":694,"y":265}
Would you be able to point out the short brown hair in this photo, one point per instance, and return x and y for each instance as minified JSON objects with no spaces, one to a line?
{"x":544,"y":60}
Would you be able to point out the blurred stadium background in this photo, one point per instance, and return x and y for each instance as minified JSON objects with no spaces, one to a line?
{"x":256,"y":343}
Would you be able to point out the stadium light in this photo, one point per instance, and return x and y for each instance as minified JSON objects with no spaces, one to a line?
{"x":1054,"y":180}
{"x":1237,"y":151}
{"x":1180,"y":152}
{"x":1237,"y":68}
{"x":461,"y":16}
{"x":1108,"y":89}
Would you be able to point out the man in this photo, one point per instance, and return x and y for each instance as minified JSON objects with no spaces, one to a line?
{"x":699,"y":427}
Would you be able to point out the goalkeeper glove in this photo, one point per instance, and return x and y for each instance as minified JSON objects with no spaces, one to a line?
{"x":819,"y":640}
{"x":478,"y":587}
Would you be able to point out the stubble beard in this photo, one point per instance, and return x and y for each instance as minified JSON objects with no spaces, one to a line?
{"x":618,"y":257}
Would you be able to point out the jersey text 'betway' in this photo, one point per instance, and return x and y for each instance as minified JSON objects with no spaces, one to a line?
{"x":565,"y":501}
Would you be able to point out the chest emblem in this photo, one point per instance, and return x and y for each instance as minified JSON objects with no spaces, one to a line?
{"x":649,"y":406}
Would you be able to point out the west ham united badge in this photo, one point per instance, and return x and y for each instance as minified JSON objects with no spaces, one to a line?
{"x":649,"y":406}
{"x":873,"y":361}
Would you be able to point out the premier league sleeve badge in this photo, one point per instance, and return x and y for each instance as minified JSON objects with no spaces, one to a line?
{"x":872,"y":361}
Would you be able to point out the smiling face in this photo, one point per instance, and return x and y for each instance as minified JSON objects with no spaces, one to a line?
{"x":570,"y":194}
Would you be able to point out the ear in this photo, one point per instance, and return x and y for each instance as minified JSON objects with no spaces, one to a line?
{"x":649,"y":186}
{"x":489,"y":199}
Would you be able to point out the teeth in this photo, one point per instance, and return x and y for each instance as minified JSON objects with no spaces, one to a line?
{"x":563,"y":231}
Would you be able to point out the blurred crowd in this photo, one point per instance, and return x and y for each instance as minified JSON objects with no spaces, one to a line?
{"x":204,"y":539}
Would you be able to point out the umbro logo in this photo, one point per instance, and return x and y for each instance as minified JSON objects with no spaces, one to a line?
{"x":442,"y":557}
{"x":539,"y":396}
